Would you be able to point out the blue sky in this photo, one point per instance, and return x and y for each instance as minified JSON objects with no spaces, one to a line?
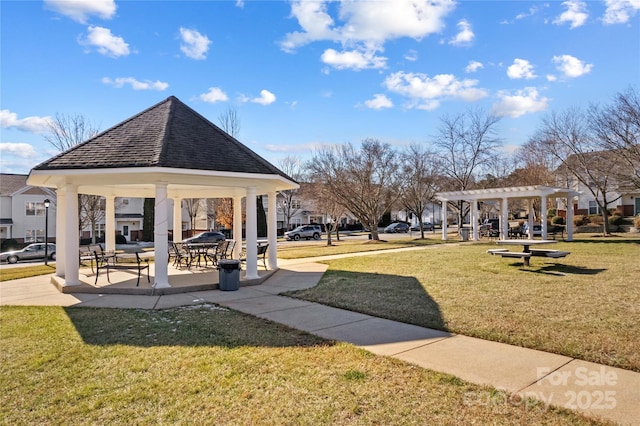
{"x":301,"y":74}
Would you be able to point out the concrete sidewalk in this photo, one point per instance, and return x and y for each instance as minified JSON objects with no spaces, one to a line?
{"x":597,"y":390}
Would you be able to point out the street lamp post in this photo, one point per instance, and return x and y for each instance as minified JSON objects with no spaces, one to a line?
{"x":46,"y":231}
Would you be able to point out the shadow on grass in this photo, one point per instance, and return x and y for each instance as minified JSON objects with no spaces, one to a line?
{"x":563,"y":270}
{"x":400,"y":298}
{"x":202,"y":325}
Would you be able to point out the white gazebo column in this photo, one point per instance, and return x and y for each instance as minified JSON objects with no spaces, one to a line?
{"x":504,"y":221}
{"x":71,"y":237}
{"x":237,"y":226}
{"x":443,"y":213}
{"x":272,"y":230}
{"x":110,"y":223}
{"x":569,"y":224}
{"x":61,"y":226}
{"x":252,"y":235}
{"x":474,"y":219}
{"x":177,"y":220}
{"x":161,"y":237}
{"x":543,"y":216}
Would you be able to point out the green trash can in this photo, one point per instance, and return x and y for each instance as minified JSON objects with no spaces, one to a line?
{"x":228,"y":274}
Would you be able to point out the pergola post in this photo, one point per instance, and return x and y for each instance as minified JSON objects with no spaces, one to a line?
{"x":443,"y":212}
{"x":474,"y":219}
{"x":530,"y":218}
{"x":72,"y":240}
{"x":272,"y":230}
{"x":177,"y":220}
{"x":161,"y":237}
{"x":110,"y":223}
{"x":504,"y":219}
{"x":569,"y":223}
{"x":252,"y":235}
{"x":543,"y":216}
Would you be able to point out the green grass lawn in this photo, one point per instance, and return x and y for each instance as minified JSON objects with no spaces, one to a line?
{"x":208,"y":365}
{"x":586,"y":305}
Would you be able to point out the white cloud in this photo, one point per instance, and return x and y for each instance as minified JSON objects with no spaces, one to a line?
{"x":411,"y":56}
{"x":308,"y":147}
{"x":426,"y":92}
{"x":473,"y":66}
{"x":266,"y":98}
{"x":215,"y":94}
{"x":22,"y":150}
{"x":136,"y":84}
{"x":465,"y":36}
{"x":572,"y":67}
{"x":521,"y":68}
{"x":240,"y":3}
{"x":10,"y":120}
{"x":620,"y":11}
{"x":575,"y":13}
{"x":363,"y":27}
{"x":520,"y":103}
{"x":194,"y":44}
{"x":551,"y":77}
{"x":379,"y":101}
{"x":106,"y":43}
{"x":352,"y":59}
{"x":81,"y":10}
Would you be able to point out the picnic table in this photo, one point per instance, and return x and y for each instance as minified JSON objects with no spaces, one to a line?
{"x":527,"y":251}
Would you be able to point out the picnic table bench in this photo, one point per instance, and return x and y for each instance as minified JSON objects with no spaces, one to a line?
{"x":527,"y":253}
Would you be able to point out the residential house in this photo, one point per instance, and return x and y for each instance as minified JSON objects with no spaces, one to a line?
{"x":22,"y":210}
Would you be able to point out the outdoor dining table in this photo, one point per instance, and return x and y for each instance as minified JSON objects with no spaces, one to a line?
{"x":198,"y":250}
{"x":526,"y":244}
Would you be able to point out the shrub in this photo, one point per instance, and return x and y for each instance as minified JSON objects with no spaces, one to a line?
{"x":636,"y":222}
{"x":596,"y":219}
{"x":9,"y":244}
{"x":557,"y":220}
{"x":580,"y":220}
{"x":121,"y":239}
{"x":616,"y":220}
{"x":552,"y":212}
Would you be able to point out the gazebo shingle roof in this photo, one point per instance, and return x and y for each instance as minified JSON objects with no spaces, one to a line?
{"x":169,"y":134}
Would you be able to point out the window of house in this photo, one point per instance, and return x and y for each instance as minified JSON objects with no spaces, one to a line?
{"x":125,"y":230}
{"x":296,"y":204}
{"x":100,"y":230}
{"x":33,"y":208}
{"x":34,"y":235}
{"x":594,"y":208}
{"x":296,"y":221}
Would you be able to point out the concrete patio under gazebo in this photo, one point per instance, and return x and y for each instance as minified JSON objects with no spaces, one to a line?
{"x":168,"y":152}
{"x":528,"y":193}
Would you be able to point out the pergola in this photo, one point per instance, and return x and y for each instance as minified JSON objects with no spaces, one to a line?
{"x":168,"y":152}
{"x":503,"y":195}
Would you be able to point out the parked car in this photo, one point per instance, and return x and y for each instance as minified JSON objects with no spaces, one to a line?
{"x":206,"y":237}
{"x":537,"y":229}
{"x":30,"y":252}
{"x":397,"y":227}
{"x":427,"y":226}
{"x":304,"y":231}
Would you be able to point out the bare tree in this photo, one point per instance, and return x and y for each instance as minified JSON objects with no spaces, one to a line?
{"x":617,"y":128}
{"x":468,"y":145}
{"x":420,"y":171}
{"x":289,"y":202}
{"x":65,"y":132}
{"x":364,"y":181}
{"x":193,"y":208}
{"x":326,"y":203}
{"x":570,"y":139}
{"x":230,"y":122}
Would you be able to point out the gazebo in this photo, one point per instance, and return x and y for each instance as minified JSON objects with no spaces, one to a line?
{"x":503,"y":195}
{"x":168,"y":152}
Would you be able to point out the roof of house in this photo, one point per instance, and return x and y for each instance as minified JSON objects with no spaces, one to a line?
{"x":169,"y":134}
{"x":10,"y":183}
